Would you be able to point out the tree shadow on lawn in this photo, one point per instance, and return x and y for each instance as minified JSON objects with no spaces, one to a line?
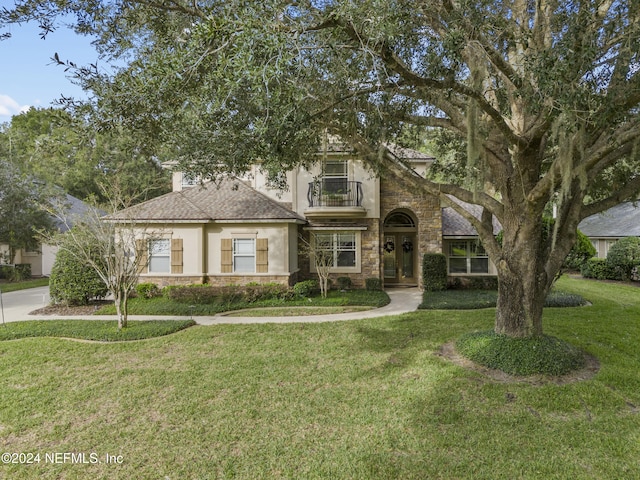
{"x":408,"y":335}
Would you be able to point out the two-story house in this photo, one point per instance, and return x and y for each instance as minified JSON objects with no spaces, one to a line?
{"x":239,"y":230}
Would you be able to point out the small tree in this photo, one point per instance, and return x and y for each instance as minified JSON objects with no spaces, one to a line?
{"x":20,"y":212}
{"x":624,"y":256}
{"x":106,"y":246}
{"x":319,"y":252}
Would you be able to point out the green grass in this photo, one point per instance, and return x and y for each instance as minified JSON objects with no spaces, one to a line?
{"x":364,"y":399}
{"x":472,"y":299}
{"x":165,"y":306}
{"x":100,"y":330}
{"x":13,"y":286}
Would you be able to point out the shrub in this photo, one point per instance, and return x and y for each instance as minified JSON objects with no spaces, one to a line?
{"x":563,"y":299}
{"x":305,"y":288}
{"x":624,"y":256}
{"x":434,"y":272}
{"x":483,"y":282}
{"x":16,"y":273}
{"x":344,"y":283}
{"x":148,"y":290}
{"x":72,"y":282}
{"x":373,"y":284}
{"x":581,"y":251}
{"x":599,"y":269}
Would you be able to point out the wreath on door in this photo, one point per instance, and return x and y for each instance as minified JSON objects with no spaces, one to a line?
{"x":407,"y":246}
{"x":389,"y":246}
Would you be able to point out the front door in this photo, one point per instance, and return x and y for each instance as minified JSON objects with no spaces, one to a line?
{"x":398,"y":259}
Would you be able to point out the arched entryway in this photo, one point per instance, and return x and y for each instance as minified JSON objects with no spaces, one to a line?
{"x":399,"y":249}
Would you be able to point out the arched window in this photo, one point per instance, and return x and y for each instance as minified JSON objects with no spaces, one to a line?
{"x":399,"y":219}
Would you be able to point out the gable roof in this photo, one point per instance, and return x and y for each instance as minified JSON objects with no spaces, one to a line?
{"x":228,"y":200}
{"x":620,"y":221}
{"x":455,"y":225}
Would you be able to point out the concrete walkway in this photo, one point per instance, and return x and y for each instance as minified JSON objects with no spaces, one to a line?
{"x":403,"y":300}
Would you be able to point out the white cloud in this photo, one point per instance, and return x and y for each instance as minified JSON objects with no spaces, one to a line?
{"x":9,"y":107}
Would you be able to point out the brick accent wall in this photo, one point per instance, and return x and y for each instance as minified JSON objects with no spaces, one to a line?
{"x":218,"y":280}
{"x":164,"y":281}
{"x":370,"y":260}
{"x":394,"y":195}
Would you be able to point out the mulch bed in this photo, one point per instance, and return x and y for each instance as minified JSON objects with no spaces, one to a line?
{"x":65,"y":310}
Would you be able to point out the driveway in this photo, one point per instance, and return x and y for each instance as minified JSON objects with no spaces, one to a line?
{"x":17,"y":306}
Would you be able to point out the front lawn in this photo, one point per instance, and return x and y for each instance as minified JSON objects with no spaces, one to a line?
{"x":361,"y":399}
{"x":99,"y":330}
{"x":335,"y":298}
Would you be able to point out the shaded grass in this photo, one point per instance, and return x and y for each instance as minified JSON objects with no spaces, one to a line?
{"x":7,"y":287}
{"x":100,"y":330}
{"x":473,"y":299}
{"x":165,"y":306}
{"x":347,"y":400}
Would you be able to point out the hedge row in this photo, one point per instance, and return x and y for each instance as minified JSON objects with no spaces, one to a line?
{"x":253,"y":292}
{"x":599,"y":269}
{"x":203,"y":294}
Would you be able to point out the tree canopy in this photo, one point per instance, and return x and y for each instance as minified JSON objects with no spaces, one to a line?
{"x":21,"y":215}
{"x":62,"y":149}
{"x":545,"y":94}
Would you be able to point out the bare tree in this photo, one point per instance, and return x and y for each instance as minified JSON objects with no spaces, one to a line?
{"x":107,"y":245}
{"x":320,"y":253}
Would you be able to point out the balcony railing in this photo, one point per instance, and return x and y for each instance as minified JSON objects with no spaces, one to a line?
{"x":334,"y":192}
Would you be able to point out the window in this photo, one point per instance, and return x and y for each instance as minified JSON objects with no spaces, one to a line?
{"x":244,"y":255}
{"x":335,"y":176}
{"x":607,"y":245}
{"x":159,"y":256}
{"x":343,"y":246}
{"x":467,"y":256}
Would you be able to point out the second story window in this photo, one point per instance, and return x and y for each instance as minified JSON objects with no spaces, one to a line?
{"x":335,"y":175}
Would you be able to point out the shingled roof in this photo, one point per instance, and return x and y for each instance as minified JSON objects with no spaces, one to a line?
{"x":620,"y":221}
{"x":227,"y":200}
{"x":455,"y":225}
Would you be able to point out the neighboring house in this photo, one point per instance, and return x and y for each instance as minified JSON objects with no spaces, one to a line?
{"x":241,"y":230}
{"x":604,"y":229}
{"x":42,"y":259}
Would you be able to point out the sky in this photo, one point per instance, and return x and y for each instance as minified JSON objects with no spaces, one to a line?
{"x":28,"y":76}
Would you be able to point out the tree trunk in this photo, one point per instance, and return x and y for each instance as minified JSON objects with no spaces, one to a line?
{"x":521,"y":296}
{"x":523,"y":281}
{"x":121,"y":310}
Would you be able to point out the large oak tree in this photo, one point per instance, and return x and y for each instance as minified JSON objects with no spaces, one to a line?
{"x":544,"y":93}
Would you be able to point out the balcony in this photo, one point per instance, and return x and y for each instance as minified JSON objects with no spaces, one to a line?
{"x":335,"y":197}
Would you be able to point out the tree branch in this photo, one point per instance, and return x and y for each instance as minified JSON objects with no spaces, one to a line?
{"x":626,"y":193}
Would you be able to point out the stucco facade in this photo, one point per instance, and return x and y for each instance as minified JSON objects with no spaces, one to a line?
{"x":244,"y":230}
